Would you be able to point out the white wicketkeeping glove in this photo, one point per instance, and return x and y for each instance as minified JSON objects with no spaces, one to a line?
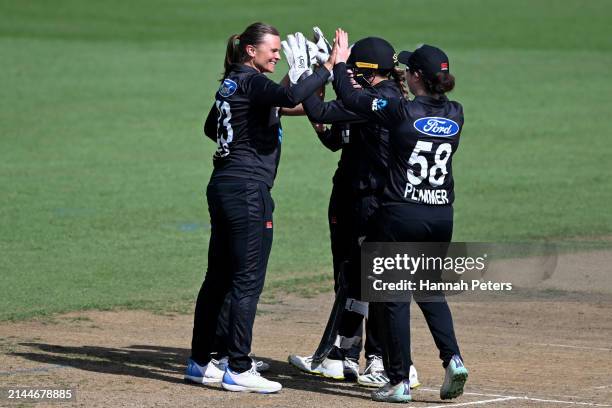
{"x":298,"y":56}
{"x":323,"y":47}
{"x":320,"y":50}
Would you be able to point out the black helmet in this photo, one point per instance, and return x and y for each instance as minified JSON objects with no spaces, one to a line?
{"x":372,"y":53}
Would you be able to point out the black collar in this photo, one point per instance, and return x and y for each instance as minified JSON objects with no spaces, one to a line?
{"x":430,"y":100}
{"x":387,"y":83}
{"x":242,"y":68}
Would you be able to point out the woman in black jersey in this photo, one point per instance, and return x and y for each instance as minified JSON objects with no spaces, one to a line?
{"x":416,"y":204}
{"x":357,"y":184}
{"x":244,"y":122}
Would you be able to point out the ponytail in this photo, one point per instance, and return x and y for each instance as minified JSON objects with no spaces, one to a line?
{"x":444,"y":82}
{"x":232,"y":54}
{"x":236,"y":44}
{"x":399,"y":76}
{"x":440,"y":83}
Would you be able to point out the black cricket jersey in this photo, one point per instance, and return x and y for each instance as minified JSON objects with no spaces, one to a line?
{"x":245,"y":122}
{"x":424,"y":136}
{"x":364,"y":143}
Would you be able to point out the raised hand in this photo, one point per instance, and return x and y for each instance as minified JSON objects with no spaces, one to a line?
{"x":341,"y":46}
{"x":298,"y":56}
{"x":322,"y":47}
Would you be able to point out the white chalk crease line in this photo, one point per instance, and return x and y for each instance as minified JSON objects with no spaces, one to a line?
{"x":482,"y":402}
{"x":499,"y":398}
{"x":571,"y":346}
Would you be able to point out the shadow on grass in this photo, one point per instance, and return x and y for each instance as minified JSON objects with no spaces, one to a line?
{"x":167,"y":364}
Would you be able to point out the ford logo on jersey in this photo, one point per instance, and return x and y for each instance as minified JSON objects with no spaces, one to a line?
{"x":438,"y":127}
{"x":227,"y":88}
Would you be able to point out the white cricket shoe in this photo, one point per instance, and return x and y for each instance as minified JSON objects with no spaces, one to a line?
{"x":375,"y":375}
{"x":328,"y":368}
{"x":393,"y":393}
{"x":211,"y":373}
{"x":350,"y":369}
{"x":454,"y":380}
{"x":414,"y":378}
{"x":249,"y":381}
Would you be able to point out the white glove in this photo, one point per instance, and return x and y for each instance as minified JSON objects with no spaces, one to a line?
{"x":313,"y":51}
{"x":323,"y":46}
{"x":298,"y":57}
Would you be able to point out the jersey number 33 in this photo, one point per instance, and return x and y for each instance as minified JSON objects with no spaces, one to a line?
{"x":225,"y":133}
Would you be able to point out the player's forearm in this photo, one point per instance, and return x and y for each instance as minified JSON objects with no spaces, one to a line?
{"x":295,"y":111}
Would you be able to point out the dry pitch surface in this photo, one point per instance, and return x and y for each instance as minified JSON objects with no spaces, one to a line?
{"x":528,"y":353}
{"x":554,"y":351}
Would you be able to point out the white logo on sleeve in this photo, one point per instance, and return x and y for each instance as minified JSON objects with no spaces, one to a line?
{"x":378,"y":104}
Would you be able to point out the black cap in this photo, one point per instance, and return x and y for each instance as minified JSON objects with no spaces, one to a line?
{"x":372,"y":53}
{"x":428,"y":59}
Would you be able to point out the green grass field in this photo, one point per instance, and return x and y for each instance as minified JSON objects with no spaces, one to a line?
{"x":103,"y":163}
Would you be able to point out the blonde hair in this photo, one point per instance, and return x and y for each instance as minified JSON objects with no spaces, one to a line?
{"x":399,"y":76}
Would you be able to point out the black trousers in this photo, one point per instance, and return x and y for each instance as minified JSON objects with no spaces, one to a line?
{"x":412,"y":223}
{"x":220,"y":347}
{"x":240,"y":243}
{"x":349,"y":215}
